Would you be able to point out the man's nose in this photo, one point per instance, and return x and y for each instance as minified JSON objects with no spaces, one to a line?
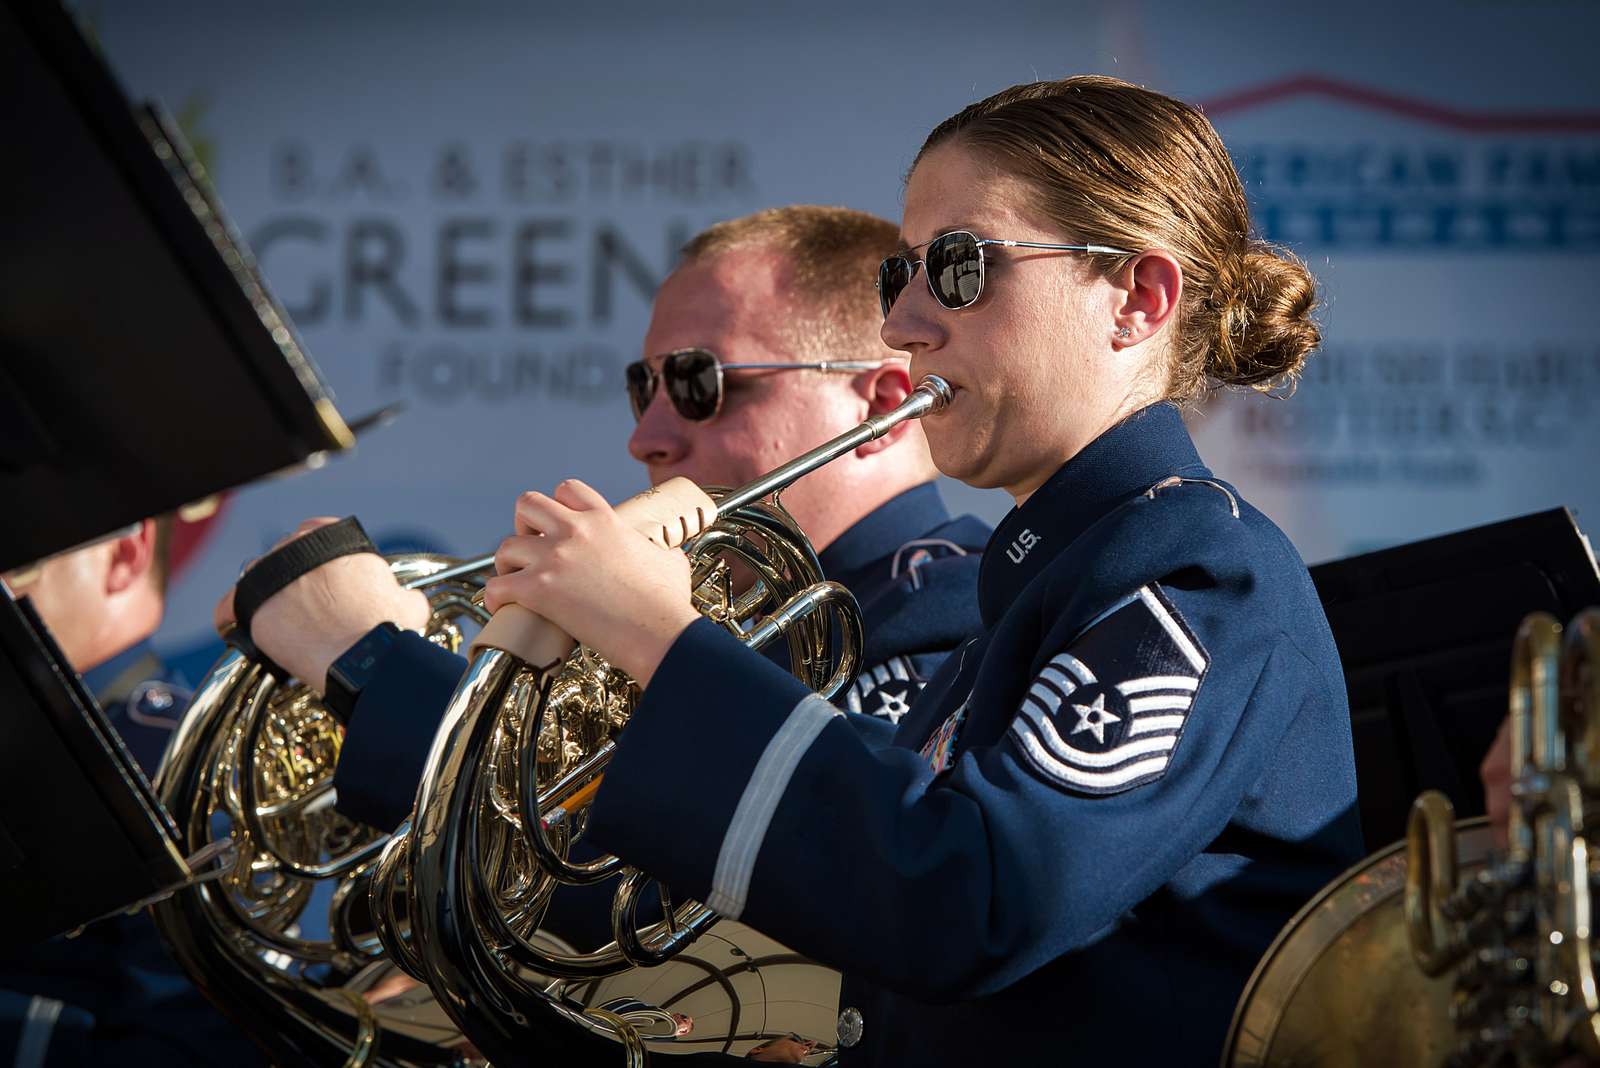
{"x":659,"y":437}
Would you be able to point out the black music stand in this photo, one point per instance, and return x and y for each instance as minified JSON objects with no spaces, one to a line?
{"x":1424,"y":632}
{"x":143,"y":365}
{"x":81,"y":831}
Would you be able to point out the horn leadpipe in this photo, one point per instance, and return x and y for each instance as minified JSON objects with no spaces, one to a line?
{"x":932,"y":394}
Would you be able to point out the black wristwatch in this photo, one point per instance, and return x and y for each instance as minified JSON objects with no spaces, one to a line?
{"x":349,"y":675}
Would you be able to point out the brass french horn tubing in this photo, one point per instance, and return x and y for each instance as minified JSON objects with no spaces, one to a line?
{"x":932,"y":395}
{"x":678,"y":510}
{"x":507,"y":1016}
{"x":223,"y":945}
{"x":1430,"y":880}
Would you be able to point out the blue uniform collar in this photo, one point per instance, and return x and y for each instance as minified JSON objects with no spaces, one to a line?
{"x":900,"y":519}
{"x":1147,"y":446}
{"x":113,"y":680}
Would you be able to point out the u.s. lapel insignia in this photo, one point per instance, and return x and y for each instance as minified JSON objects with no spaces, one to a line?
{"x":1106,"y":714}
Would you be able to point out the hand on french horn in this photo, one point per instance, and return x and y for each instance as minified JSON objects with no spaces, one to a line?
{"x":577,"y":564}
{"x":309,"y":624}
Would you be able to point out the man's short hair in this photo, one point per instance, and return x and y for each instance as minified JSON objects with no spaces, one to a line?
{"x":833,"y":256}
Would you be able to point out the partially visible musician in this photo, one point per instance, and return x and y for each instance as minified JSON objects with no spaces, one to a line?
{"x":1106,"y":804}
{"x":112,"y":995}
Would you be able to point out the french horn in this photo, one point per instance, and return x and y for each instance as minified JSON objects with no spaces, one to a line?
{"x":333,"y":943}
{"x":1442,"y":950}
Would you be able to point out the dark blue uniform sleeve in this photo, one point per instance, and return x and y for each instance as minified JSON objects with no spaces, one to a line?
{"x":387,"y":740}
{"x":44,"y":1031}
{"x":391,"y":730}
{"x":741,"y":788}
{"x":875,"y":733}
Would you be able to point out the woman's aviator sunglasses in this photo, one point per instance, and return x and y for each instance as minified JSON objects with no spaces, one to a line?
{"x":693,"y":379}
{"x":953,"y":266}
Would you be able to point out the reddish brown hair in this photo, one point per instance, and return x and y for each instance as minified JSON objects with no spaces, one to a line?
{"x":1120,"y":165}
{"x":832,"y":256}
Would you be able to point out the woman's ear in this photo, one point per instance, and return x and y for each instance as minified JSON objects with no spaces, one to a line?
{"x":1150,"y":287}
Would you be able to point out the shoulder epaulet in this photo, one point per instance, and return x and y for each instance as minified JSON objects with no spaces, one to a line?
{"x":1174,"y":481}
{"x":919,"y":551}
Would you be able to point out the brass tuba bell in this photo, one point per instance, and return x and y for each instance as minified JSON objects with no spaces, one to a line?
{"x":1441,"y":950}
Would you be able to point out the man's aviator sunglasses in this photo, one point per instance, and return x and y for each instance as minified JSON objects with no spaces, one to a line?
{"x":693,"y":379}
{"x":953,"y":266}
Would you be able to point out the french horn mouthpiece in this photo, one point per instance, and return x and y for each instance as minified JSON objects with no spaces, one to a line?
{"x":939,"y":390}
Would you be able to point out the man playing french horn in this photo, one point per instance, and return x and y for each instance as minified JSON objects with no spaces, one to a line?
{"x":754,"y":298}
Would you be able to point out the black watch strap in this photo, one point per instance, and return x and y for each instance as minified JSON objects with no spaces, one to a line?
{"x":283,"y":565}
{"x":349,"y":675}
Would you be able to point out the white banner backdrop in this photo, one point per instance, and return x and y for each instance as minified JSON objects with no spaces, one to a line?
{"x":465,"y":209}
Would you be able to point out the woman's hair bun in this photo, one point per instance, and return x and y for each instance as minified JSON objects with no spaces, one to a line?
{"x":1265,"y":331}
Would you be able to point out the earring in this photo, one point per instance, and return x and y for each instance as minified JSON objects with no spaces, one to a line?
{"x":1124,"y":331}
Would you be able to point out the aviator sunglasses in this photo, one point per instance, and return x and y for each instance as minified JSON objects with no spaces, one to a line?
{"x":953,"y":266}
{"x":693,"y":379}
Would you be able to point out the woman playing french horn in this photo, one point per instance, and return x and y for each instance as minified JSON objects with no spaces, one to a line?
{"x":1098,"y":815}
{"x":1104,"y":806}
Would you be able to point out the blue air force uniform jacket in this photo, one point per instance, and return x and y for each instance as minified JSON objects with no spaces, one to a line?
{"x":914,"y":571}
{"x":1095,"y":818}
{"x":113,"y":995}
{"x":912,"y":568}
